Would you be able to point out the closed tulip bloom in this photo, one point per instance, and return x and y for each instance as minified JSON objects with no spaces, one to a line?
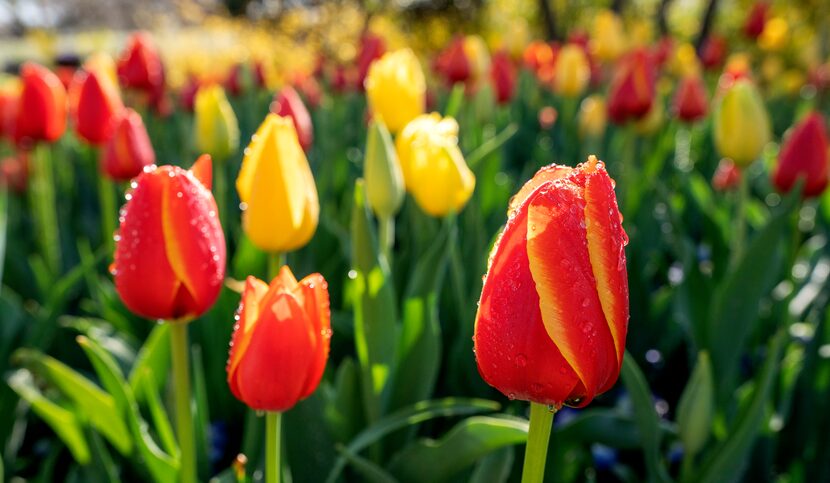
{"x":755,"y":20}
{"x":216,"y":130}
{"x":741,"y":124}
{"x":433,"y":167}
{"x":280,"y":342}
{"x":608,"y":36}
{"x":503,"y":77}
{"x":372,"y":48}
{"x":396,"y":88}
{"x":593,"y":117}
{"x":727,"y":176}
{"x":713,"y":52}
{"x":384,"y":181}
{"x":553,"y":313}
{"x":632,"y":89}
{"x":804,"y":155}
{"x":572,"y":71}
{"x":95,"y":102}
{"x":537,"y":54}
{"x":140,"y":66}
{"x":775,"y":36}
{"x":129,"y":150}
{"x":690,"y":101}
{"x":479,"y":57}
{"x":287,"y":103}
{"x":170,"y":250}
{"x":277,"y":188}
{"x":453,"y":63}
{"x":41,"y":115}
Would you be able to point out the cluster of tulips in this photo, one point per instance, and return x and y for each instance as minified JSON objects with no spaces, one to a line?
{"x":552,"y":317}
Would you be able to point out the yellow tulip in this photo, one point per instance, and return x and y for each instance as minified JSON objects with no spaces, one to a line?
{"x":396,"y":88}
{"x":775,"y":35}
{"x":741,"y":124}
{"x":607,"y":37}
{"x":593,"y":116}
{"x":478,"y":55}
{"x":103,"y":65}
{"x":433,"y":167}
{"x":685,"y":61}
{"x":382,"y":172}
{"x":216,"y":131}
{"x":275,"y":185}
{"x":572,"y":71}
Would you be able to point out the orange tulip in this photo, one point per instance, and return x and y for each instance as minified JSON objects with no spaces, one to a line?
{"x":129,"y":150}
{"x":41,"y":114}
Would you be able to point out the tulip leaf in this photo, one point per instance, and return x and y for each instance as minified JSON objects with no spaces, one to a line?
{"x":696,"y":407}
{"x":470,"y":440}
{"x":4,"y":220}
{"x":65,"y":423}
{"x":368,"y":471}
{"x":309,"y":445}
{"x":494,"y":467}
{"x":201,"y":417}
{"x":152,"y":361}
{"x":343,"y":412}
{"x":410,"y":416}
{"x":603,"y":426}
{"x":161,"y":421}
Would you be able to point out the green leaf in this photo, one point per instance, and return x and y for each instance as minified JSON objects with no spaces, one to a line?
{"x":202,"y":416}
{"x":491,"y":145}
{"x":604,"y":426}
{"x":696,"y":407}
{"x":645,"y":416}
{"x":343,"y":413}
{"x":161,"y":421}
{"x":153,"y":360}
{"x":410,"y":416}
{"x":368,"y":471}
{"x":455,"y":100}
{"x":65,"y":423}
{"x":4,"y":221}
{"x":466,"y":443}
{"x":495,"y":467}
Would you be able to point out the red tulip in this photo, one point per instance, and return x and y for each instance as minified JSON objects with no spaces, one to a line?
{"x":713,"y":52}
{"x":41,"y":115}
{"x":453,"y":63}
{"x":288,"y":104}
{"x":727,"y":176}
{"x":662,"y":51}
{"x":280,"y":342}
{"x":233,"y":82}
{"x":95,"y":105}
{"x":553,"y":313}
{"x":170,"y":250}
{"x":756,"y":20}
{"x":260,"y":77}
{"x":503,"y":76}
{"x":129,"y":150}
{"x":690,"y":100}
{"x":340,"y":82}
{"x":9,"y":101}
{"x":140,"y":65}
{"x":804,"y":155}
{"x":187,"y":94}
{"x":372,"y":48}
{"x":632,"y":89}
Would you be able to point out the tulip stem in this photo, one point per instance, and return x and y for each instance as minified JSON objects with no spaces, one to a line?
{"x":273,"y":422}
{"x":386,"y":225}
{"x":538,"y":437}
{"x":42,"y":196}
{"x":184,"y":420}
{"x":220,"y":191}
{"x":275,"y":261}
{"x":739,"y":240}
{"x":106,"y":195}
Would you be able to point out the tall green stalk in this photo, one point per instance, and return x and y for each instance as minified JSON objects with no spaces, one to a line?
{"x":184,"y":412}
{"x":273,"y":423}
{"x":739,"y":241}
{"x":42,"y":199}
{"x":106,"y":196}
{"x":536,"y":453}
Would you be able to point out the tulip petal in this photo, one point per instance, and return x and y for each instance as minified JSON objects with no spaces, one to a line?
{"x":247,"y":316}
{"x":544,"y":175}
{"x":202,"y":170}
{"x":313,"y":293}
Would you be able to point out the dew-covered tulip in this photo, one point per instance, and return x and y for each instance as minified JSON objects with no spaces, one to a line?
{"x":804,"y":155}
{"x":572,"y":72}
{"x":129,"y":149}
{"x":170,"y":250}
{"x":140,"y":66}
{"x":287,"y":103}
{"x":553,"y":313}
{"x":727,"y":176}
{"x":434,"y":169}
{"x":632,"y":89}
{"x":503,"y":77}
{"x":396,"y":88}
{"x":592,"y":117}
{"x":382,"y":171}
{"x":690,"y":100}
{"x":280,"y":342}
{"x":95,"y":103}
{"x":41,"y":113}
{"x":216,"y":128}
{"x":277,"y":188}
{"x":741,"y":123}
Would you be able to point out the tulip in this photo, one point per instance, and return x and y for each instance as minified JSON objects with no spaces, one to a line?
{"x":804,"y":155}
{"x":280,"y":342}
{"x":713,"y":51}
{"x":372,"y":48}
{"x":170,"y":251}
{"x":631,"y":93}
{"x":608,"y":39}
{"x":727,"y":176}
{"x":41,"y":115}
{"x":139,"y":66}
{"x":453,"y":63}
{"x":277,"y":188}
{"x":572,"y":71}
{"x":287,"y":103}
{"x":433,"y":167}
{"x":384,"y":180}
{"x":538,"y":54}
{"x":395,"y":88}
{"x":503,"y":77}
{"x":685,"y":61}
{"x":96,"y":102}
{"x":755,"y":20}
{"x":216,"y":130}
{"x":129,"y":150}
{"x":775,"y":36}
{"x":690,"y":100}
{"x":187,"y":94}
{"x":65,"y":68}
{"x":9,"y":99}
{"x":478,"y":56}
{"x":553,"y":312}
{"x":741,"y":124}
{"x":592,"y":117}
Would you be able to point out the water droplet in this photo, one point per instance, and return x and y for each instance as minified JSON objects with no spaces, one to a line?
{"x":352,"y":274}
{"x":586,"y":302}
{"x":179,"y":194}
{"x":511,"y":396}
{"x":128,"y":196}
{"x":521,"y":360}
{"x":243,"y":206}
{"x":574,"y":401}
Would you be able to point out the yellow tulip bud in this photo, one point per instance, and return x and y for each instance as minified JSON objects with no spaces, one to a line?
{"x":396,"y":88}
{"x":572,"y":71}
{"x":608,"y":37}
{"x":685,"y":61}
{"x":478,"y":55}
{"x":382,"y":172}
{"x":217,"y":131}
{"x":593,"y":117}
{"x":775,"y":36}
{"x":741,"y":124}
{"x":433,"y":167}
{"x":277,"y":189}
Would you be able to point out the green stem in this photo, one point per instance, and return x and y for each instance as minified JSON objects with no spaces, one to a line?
{"x":386,"y":225}
{"x":536,"y":453}
{"x":184,"y":413}
{"x":106,"y":195}
{"x":42,"y":196}
{"x":220,"y":191}
{"x":275,"y":262}
{"x":739,"y":240}
{"x":273,"y":423}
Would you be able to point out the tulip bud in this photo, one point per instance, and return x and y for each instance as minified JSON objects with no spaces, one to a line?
{"x":690,"y":100}
{"x":395,"y":88}
{"x":713,"y":52}
{"x":608,"y":38}
{"x":571,"y":72}
{"x":755,"y":20}
{"x":170,"y":250}
{"x":632,"y":89}
{"x":433,"y":167}
{"x":277,"y":188}
{"x":478,"y":56}
{"x":741,"y":124}
{"x":95,"y":102}
{"x":804,"y":155}
{"x":537,"y":54}
{"x":139,"y":66}
{"x":129,"y":150}
{"x":372,"y":48}
{"x":592,"y":117}
{"x":503,"y":77}
{"x":288,"y":104}
{"x":553,"y":313}
{"x":382,"y":172}
{"x":775,"y":36}
{"x":453,"y":63}
{"x":41,"y":115}
{"x":280,"y":343}
{"x":217,"y":130}
{"x":727,"y":176}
